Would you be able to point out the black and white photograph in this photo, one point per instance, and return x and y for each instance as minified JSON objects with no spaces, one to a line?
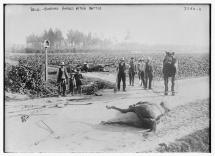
{"x":107,"y":78}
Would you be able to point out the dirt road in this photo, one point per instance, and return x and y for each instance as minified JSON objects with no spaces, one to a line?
{"x":72,"y":124}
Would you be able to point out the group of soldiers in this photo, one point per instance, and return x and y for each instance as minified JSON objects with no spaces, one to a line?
{"x":73,"y":78}
{"x":142,"y":68}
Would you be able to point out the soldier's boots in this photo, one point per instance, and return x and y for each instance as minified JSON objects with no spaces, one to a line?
{"x":173,"y":93}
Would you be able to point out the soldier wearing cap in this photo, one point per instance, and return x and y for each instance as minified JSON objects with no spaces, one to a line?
{"x":62,"y":78}
{"x":78,"y":76}
{"x":138,"y":71}
{"x":121,"y":74}
{"x":85,"y":67}
{"x":148,"y":73}
{"x":131,"y":71}
{"x":72,"y":82}
{"x":142,"y":72}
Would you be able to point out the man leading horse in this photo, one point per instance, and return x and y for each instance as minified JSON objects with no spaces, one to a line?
{"x":169,"y":70}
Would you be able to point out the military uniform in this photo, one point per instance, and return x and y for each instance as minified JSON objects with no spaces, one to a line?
{"x":121,"y":75}
{"x":72,"y":83}
{"x":131,"y":72}
{"x":62,"y":79}
{"x":169,"y":70}
{"x":78,"y":78}
{"x":85,"y":67}
{"x":139,"y":72}
{"x":148,"y":75}
{"x":142,"y":73}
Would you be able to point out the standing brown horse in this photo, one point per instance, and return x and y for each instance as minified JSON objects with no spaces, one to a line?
{"x":169,"y":70}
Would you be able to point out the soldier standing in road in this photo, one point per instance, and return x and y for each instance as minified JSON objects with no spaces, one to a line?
{"x":78,"y":76}
{"x":72,"y":83}
{"x":138,"y":72}
{"x":131,"y":71}
{"x":142,"y":72}
{"x":62,"y":78}
{"x":121,"y":74}
{"x":148,"y":73}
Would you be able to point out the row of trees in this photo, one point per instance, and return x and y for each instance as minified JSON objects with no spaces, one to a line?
{"x":74,"y":39}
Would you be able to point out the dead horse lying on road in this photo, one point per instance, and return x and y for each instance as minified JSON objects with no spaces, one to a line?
{"x":148,"y":113}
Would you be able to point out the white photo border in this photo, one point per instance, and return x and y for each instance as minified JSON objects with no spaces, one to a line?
{"x":212,"y":55}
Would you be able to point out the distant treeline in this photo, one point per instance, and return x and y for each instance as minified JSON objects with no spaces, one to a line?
{"x":79,"y":42}
{"x":74,"y":40}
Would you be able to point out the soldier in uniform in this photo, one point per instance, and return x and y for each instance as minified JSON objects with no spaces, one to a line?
{"x":138,"y":72}
{"x":72,"y":82}
{"x":142,"y":72}
{"x":121,"y":74}
{"x":85,"y":67}
{"x":148,"y":73}
{"x":62,"y":78}
{"x":78,"y":76}
{"x":131,"y":71}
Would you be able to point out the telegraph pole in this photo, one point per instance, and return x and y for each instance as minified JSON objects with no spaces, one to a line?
{"x":46,"y":66}
{"x":46,"y":45}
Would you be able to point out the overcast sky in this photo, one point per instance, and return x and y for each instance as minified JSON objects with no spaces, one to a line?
{"x":148,"y":24}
